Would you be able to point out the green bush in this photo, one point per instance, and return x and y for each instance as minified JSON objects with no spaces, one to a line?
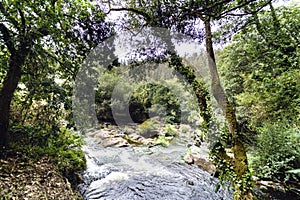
{"x":158,"y":100}
{"x":107,"y":82}
{"x":162,"y":140}
{"x":171,"y":99}
{"x":170,"y":131}
{"x":62,"y":146}
{"x":277,"y":151}
{"x":148,"y":126}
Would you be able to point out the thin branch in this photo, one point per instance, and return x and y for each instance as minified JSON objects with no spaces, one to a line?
{"x":22,"y":20}
{"x":147,"y":17}
{"x":199,"y":12}
{"x":7,"y":38}
{"x":8,"y":16}
{"x":243,"y":14}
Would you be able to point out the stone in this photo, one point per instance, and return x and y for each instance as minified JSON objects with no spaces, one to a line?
{"x":188,"y":159}
{"x":204,"y":164}
{"x":150,"y":134}
{"x":116,"y":142}
{"x":198,"y":157}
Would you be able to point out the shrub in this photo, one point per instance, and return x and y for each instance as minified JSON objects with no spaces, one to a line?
{"x":277,"y":151}
{"x":158,"y":100}
{"x":170,"y":131}
{"x":62,"y":146}
{"x":162,"y":140}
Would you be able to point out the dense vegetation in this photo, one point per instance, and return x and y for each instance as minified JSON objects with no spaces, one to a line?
{"x":41,"y":46}
{"x":168,"y":97}
{"x":43,"y":43}
{"x":261,"y":73}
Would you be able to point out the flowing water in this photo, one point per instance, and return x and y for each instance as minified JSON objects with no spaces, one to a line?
{"x":145,"y":173}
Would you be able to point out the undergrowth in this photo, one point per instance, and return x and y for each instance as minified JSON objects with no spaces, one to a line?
{"x":62,"y":146}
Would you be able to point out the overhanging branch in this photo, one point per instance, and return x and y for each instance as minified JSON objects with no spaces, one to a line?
{"x":134,"y":10}
{"x":243,"y":14}
{"x":199,"y":12}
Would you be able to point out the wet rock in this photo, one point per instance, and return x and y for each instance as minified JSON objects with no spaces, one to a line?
{"x":188,"y":159}
{"x":100,"y":134}
{"x":196,"y":156}
{"x":204,"y":164}
{"x":150,"y":134}
{"x":129,"y":130}
{"x":200,"y":162}
{"x":116,"y":142}
{"x":135,"y":137}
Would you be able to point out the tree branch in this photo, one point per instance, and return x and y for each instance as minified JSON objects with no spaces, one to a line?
{"x":22,"y":20}
{"x":246,"y":13}
{"x":8,"y":16}
{"x":199,"y":12}
{"x":7,"y":38}
{"x":147,"y":17}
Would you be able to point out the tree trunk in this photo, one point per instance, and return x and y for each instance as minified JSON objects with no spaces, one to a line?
{"x":6,"y":94}
{"x":239,"y":151}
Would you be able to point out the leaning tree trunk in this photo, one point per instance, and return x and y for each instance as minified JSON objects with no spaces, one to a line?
{"x":6,"y":94}
{"x":239,"y":151}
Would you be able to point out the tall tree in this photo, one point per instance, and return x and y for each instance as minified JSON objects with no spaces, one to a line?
{"x":261,"y":67}
{"x":183,"y":16}
{"x":61,"y":31}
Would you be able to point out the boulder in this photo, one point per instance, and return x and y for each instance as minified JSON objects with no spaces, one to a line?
{"x":199,"y":157}
{"x":200,"y":162}
{"x":150,"y":133}
{"x":114,"y":142}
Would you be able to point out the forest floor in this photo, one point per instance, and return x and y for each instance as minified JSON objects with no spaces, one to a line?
{"x":22,"y":177}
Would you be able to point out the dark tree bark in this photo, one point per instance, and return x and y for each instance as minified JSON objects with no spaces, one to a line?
{"x":10,"y":83}
{"x":18,"y":54}
{"x":6,"y":94}
{"x":9,"y":86}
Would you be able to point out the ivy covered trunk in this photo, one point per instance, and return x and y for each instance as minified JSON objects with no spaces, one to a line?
{"x":239,"y":162}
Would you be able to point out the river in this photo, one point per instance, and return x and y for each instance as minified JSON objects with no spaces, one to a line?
{"x":128,"y":173}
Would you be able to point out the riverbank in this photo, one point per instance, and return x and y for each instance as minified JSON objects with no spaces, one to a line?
{"x":40,"y":165}
{"x":22,"y":177}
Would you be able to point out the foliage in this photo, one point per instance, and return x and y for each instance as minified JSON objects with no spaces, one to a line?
{"x":162,"y":140}
{"x":148,"y":126}
{"x":169,"y":99}
{"x":226,"y":172}
{"x":45,"y":106}
{"x":158,"y":100}
{"x":199,"y":89}
{"x":295,"y":171}
{"x":103,"y":96}
{"x":261,"y":67}
{"x":41,"y":45}
{"x":260,"y":71}
{"x":277,"y":151}
{"x":63,"y":146}
{"x":170,"y":131}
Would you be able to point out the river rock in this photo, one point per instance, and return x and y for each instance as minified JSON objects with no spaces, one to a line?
{"x":200,"y":158}
{"x":205,"y":164}
{"x":200,"y":162}
{"x":116,"y":142}
{"x":150,"y":134}
{"x":100,"y":134}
